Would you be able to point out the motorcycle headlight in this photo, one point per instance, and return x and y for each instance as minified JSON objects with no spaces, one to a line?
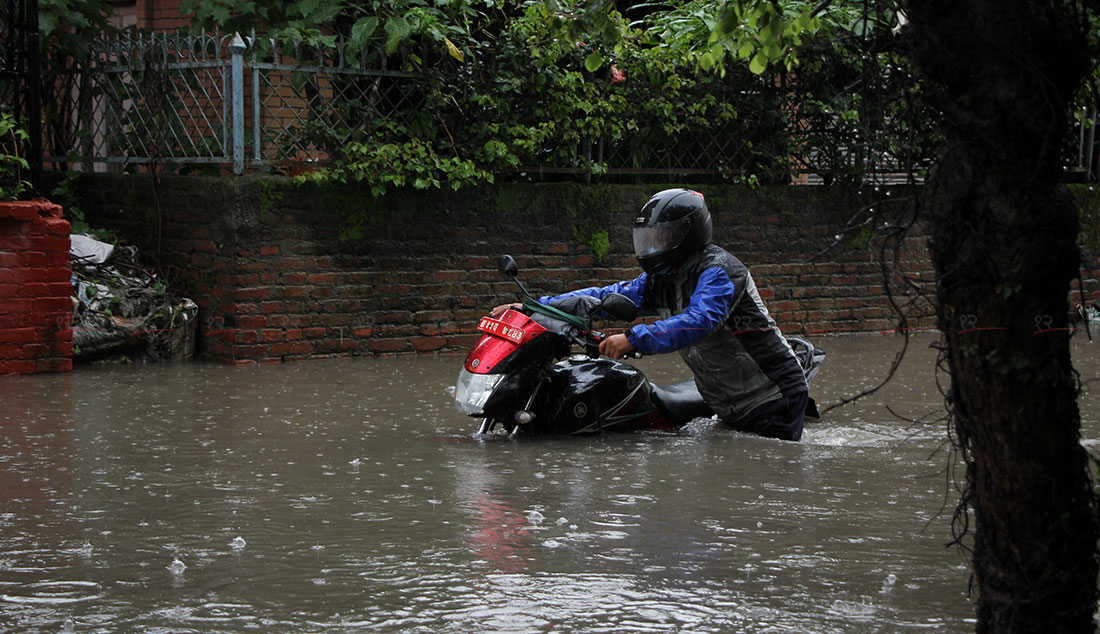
{"x":473,"y":390}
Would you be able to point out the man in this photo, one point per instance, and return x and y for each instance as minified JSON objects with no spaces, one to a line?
{"x":710,"y":311}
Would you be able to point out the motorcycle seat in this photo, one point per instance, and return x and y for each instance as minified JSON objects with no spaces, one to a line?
{"x":681,"y":401}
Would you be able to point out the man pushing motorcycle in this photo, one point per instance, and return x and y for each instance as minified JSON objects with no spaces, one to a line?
{"x":709,"y":310}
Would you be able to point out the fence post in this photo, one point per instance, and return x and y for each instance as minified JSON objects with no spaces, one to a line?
{"x":237,"y":47}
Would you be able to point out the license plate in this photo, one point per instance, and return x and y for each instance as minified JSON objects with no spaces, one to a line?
{"x":501,"y":329}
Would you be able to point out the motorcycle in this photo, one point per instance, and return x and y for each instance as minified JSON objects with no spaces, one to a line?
{"x":523,"y":374}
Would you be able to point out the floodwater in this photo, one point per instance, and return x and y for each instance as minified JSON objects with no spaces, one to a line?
{"x":350,"y":496}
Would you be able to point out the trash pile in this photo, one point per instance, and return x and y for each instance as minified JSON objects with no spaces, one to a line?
{"x":123,"y":311}
{"x":1090,"y":314}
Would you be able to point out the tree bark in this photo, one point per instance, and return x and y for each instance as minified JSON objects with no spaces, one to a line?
{"x":1003,"y":242}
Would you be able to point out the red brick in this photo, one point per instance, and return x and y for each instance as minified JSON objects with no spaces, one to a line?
{"x":294,"y":278}
{"x":19,"y":210}
{"x":60,"y":258}
{"x":248,"y":352}
{"x":14,"y":319}
{"x":292,"y":291}
{"x":426,"y":344}
{"x":444,"y":276}
{"x":50,"y":243}
{"x":51,"y":304}
{"x":388,"y":345}
{"x":292,"y":347}
{"x":61,"y":349}
{"x":16,"y":366}
{"x":394,"y":289}
{"x":19,"y":335}
{"x":59,"y":289}
{"x":56,"y":226}
{"x":269,"y":249}
{"x":39,"y":274}
{"x":227,"y":361}
{"x":253,"y":293}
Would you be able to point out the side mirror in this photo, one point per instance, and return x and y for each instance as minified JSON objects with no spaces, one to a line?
{"x":507,"y":266}
{"x":620,"y":307}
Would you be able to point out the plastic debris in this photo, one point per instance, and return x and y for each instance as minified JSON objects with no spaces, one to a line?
{"x":124,"y":311}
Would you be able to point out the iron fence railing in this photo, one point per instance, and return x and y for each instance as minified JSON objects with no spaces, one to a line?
{"x":19,"y":76}
{"x":220,"y":101}
{"x":211,"y":99}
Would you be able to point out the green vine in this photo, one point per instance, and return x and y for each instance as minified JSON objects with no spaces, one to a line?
{"x":12,"y":164}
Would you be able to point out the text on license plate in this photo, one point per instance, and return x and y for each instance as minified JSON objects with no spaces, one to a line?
{"x":501,"y":329}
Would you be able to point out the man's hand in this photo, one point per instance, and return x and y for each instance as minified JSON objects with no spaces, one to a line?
{"x":616,"y":346}
{"x":499,"y":310}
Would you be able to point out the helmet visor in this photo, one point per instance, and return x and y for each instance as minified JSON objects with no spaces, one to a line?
{"x":659,"y":238}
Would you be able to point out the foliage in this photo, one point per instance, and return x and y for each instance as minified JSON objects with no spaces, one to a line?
{"x":746,"y":91}
{"x":413,"y":163}
{"x":68,"y":28}
{"x":531,"y":97}
{"x":12,"y":164}
{"x":381,"y":27}
{"x":716,"y":35}
{"x":859,"y":106}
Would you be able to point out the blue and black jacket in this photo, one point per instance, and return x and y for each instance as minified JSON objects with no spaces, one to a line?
{"x":710,"y":311}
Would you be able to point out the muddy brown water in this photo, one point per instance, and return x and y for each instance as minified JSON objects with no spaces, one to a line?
{"x":350,"y":496}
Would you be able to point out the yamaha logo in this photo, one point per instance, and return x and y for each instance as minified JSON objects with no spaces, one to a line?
{"x":580,"y":410}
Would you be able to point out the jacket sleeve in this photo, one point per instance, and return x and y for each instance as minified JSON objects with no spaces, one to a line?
{"x":710,"y":304}
{"x":632,"y":289}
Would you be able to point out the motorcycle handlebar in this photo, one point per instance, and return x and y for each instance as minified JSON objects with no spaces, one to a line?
{"x":593,"y":343}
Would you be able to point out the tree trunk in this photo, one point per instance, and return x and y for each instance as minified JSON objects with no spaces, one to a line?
{"x":1003,"y":242}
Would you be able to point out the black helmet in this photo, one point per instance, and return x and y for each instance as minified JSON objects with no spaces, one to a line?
{"x":674,"y":224}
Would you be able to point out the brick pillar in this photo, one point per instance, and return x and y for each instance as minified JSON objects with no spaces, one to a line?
{"x":36,"y":311}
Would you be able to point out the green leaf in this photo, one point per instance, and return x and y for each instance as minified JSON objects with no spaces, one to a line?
{"x":453,"y":50}
{"x":307,"y":7}
{"x":398,"y":29}
{"x":593,"y":62}
{"x":707,"y":61}
{"x":758,"y":64}
{"x":363,"y":29}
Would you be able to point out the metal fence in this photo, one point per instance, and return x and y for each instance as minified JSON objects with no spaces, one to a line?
{"x":228,"y":102}
{"x":19,"y":76}
{"x":220,"y":100}
{"x":225,"y":102}
{"x":212,"y":100}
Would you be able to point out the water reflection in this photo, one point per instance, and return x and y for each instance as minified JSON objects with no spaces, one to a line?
{"x":349,"y":495}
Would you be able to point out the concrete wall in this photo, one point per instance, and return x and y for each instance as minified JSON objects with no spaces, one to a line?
{"x":36,"y":311}
{"x":265,"y":262}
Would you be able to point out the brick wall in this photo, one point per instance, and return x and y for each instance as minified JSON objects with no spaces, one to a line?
{"x":35,"y":287}
{"x":264,"y":260}
{"x":160,"y":15}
